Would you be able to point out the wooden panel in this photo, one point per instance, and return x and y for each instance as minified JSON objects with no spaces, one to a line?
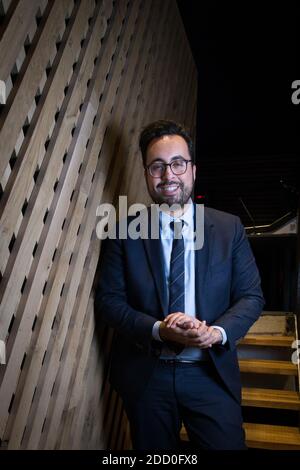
{"x":21,"y":185}
{"x":78,"y":83}
{"x":19,"y":33}
{"x":15,"y":116}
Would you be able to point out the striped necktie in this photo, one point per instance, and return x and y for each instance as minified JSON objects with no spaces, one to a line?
{"x":176,"y":280}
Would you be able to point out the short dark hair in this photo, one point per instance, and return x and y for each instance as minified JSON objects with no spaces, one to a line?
{"x":160,"y":128}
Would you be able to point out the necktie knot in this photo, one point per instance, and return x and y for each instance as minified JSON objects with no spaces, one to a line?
{"x":176,"y":227}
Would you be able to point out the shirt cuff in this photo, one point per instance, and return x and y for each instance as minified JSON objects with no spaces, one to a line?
{"x":223,"y":333}
{"x":155,"y":331}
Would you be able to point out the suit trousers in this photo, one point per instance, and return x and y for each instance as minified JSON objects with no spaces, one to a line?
{"x":192,"y":394}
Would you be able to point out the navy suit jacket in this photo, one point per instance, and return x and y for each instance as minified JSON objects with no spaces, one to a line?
{"x":131,"y":297}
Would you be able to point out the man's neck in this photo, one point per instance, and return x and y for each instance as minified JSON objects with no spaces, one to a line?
{"x":180,"y":211}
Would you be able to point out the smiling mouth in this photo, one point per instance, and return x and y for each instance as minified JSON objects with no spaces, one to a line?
{"x":168,"y":188}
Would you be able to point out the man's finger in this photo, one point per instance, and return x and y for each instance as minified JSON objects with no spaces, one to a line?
{"x":171,"y":315}
{"x":172,"y":318}
{"x":191,"y":333}
{"x":186,"y":325}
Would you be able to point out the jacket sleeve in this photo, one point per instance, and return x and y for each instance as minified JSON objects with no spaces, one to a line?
{"x":111,"y":298}
{"x":247,"y":299}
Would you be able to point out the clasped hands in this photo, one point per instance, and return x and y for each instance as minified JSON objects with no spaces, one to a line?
{"x":184,"y":329}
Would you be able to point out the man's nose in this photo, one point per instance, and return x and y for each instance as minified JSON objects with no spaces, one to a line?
{"x":168,"y":172}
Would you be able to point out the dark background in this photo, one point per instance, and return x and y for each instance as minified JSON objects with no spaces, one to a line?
{"x":247,"y":56}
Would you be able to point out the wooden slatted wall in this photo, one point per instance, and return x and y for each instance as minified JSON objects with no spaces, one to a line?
{"x":78,"y":79}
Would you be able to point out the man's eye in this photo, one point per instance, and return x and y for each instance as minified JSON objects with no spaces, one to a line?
{"x":157,"y":167}
{"x":178,"y":164}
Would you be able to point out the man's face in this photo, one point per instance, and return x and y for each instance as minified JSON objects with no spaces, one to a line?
{"x":169,"y":188}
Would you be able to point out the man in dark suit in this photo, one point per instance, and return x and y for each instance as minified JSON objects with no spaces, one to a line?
{"x":177,"y":311}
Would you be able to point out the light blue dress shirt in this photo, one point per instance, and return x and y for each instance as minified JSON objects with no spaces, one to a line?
{"x":166,"y":235}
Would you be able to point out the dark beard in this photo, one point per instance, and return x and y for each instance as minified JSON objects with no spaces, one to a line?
{"x":181,"y":200}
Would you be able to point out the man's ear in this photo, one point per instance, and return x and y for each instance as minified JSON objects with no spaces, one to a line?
{"x":194,"y":171}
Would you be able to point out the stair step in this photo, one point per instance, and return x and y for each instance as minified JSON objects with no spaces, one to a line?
{"x":267,"y":366}
{"x":266,"y":436}
{"x":268,"y":324}
{"x":268,"y":340}
{"x":269,"y":398}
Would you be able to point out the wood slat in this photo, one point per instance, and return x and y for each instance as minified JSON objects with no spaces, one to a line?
{"x":261,"y":366}
{"x":269,"y":398}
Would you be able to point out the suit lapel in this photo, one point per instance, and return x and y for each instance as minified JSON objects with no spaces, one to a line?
{"x":154,"y":254}
{"x":202,"y":263}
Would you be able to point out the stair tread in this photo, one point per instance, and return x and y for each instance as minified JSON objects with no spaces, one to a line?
{"x":267,"y":436}
{"x":267,"y":324}
{"x":270,"y":398}
{"x":267,"y":366}
{"x":267,"y":340}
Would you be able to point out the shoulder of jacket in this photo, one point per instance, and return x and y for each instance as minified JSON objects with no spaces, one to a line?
{"x":219,"y":217}
{"x":215,"y":213}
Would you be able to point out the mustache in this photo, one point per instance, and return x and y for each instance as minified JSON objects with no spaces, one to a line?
{"x":169,"y":183}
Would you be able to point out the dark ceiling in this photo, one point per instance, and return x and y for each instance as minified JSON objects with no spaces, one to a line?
{"x":248,"y":148}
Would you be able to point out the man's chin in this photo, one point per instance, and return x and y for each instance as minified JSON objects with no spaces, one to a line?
{"x":179,"y":199}
{"x":169,"y":200}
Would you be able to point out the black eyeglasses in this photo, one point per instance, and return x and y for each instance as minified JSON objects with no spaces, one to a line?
{"x":158,"y":169}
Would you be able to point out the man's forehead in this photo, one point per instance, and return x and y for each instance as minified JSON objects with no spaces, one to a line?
{"x":166,"y":141}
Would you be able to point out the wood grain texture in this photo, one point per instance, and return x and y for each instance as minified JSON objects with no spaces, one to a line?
{"x":78,"y":83}
{"x":268,"y":340}
{"x":269,"y":398}
{"x":266,"y":436}
{"x":265,"y":366}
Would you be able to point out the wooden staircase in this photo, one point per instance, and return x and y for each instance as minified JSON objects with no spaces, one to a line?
{"x":256,"y":343}
{"x":261,"y":435}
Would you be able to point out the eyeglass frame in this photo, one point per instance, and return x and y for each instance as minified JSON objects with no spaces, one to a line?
{"x":170,"y":165}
